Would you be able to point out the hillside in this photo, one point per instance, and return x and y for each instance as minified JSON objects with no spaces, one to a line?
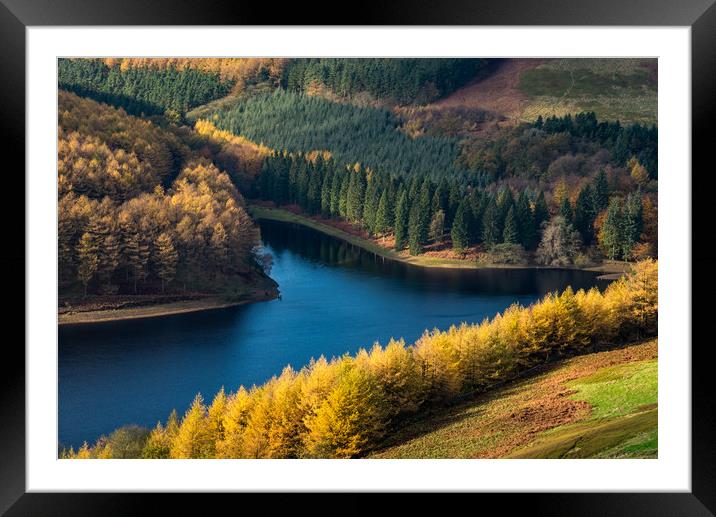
{"x":601,"y":405}
{"x":523,"y":89}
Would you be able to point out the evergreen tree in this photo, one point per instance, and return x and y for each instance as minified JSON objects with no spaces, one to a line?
{"x":437,"y":226}
{"x":401,"y":220}
{"x":565,"y":210}
{"x":600,"y":192}
{"x":372,"y":198}
{"x":459,"y":232}
{"x":356,"y":195}
{"x":382,"y":216}
{"x":490,"y":229}
{"x":326,"y":189}
{"x":343,"y":194}
{"x":610,"y":235}
{"x":415,"y":246}
{"x":419,"y":220}
{"x":510,"y":234}
{"x":632,"y":224}
{"x":336,"y":193}
{"x":584,"y":214}
{"x":541,"y":212}
{"x":525,"y":222}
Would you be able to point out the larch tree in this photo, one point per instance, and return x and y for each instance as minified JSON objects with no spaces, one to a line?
{"x":88,"y":257}
{"x":167,"y":258}
{"x":192,"y":439}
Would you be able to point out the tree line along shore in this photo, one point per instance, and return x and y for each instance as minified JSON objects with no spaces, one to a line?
{"x":152,"y":200}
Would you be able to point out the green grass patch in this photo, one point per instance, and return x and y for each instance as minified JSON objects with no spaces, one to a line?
{"x":592,"y":439}
{"x":619,"y":390}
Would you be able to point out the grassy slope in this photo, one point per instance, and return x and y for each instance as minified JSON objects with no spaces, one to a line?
{"x":278,"y":214}
{"x":623,"y":89}
{"x":598,"y":405}
{"x":523,"y":89}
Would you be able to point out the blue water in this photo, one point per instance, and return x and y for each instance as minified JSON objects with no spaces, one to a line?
{"x":335,"y":298}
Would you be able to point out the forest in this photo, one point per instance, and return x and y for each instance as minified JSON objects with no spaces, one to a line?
{"x":140,"y":211}
{"x":142,"y":91}
{"x":343,"y":407}
{"x":559,"y":191}
{"x":161,"y":162}
{"x":296,"y":122}
{"x":418,"y":212}
{"x":403,"y":81}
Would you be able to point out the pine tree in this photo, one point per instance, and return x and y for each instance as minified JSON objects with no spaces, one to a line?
{"x":372,"y":198}
{"x":401,"y":220}
{"x":490,"y":229}
{"x":584,"y":214}
{"x":632,"y":224}
{"x":415,"y":247}
{"x":313,"y":194}
{"x":167,"y":258}
{"x":356,"y":195}
{"x":343,"y":194}
{"x":600,"y":192}
{"x":437,"y":226}
{"x":336,"y":193}
{"x":382,"y":216}
{"x":419,"y":221}
{"x":541,"y":212}
{"x":88,"y":256}
{"x":510,"y":234}
{"x":565,"y":210}
{"x":525,"y":222}
{"x":610,"y":235}
{"x":459,"y":232}
{"x":326,"y":189}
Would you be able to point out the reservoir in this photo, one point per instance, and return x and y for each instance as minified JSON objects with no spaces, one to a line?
{"x":335,"y":299}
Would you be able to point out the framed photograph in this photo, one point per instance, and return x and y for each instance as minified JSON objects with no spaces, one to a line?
{"x":422,"y":253}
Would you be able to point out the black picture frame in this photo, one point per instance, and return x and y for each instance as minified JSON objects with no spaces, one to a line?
{"x":700,"y":15}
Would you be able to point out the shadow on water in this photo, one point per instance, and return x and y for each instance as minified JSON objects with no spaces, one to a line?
{"x":335,"y":299}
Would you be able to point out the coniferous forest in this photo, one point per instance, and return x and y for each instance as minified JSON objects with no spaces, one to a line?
{"x":168,"y":167}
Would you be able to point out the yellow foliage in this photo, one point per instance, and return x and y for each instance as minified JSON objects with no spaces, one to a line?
{"x":343,"y":407}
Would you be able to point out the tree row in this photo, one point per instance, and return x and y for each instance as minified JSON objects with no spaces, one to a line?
{"x":344,"y":407}
{"x":418,"y":212}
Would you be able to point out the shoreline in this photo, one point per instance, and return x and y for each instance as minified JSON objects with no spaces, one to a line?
{"x":611,"y":270}
{"x":158,"y":310}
